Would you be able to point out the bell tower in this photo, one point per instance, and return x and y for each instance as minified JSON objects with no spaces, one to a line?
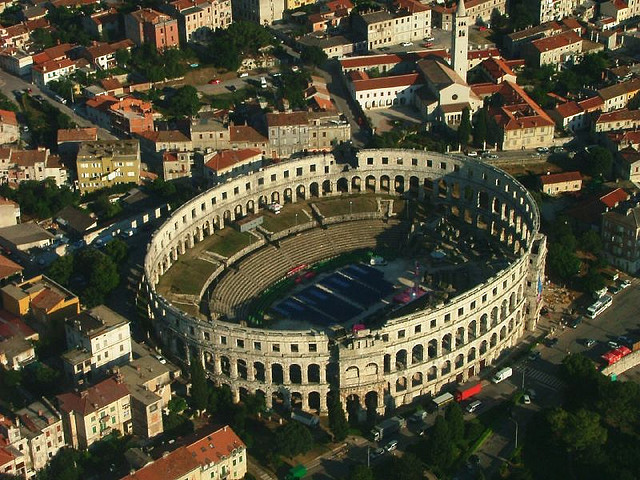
{"x":460,"y":41}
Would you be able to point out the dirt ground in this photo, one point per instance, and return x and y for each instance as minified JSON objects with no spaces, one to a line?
{"x":517,"y":169}
{"x":200,"y":76}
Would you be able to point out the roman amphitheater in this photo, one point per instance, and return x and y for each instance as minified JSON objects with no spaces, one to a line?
{"x":287,"y":305}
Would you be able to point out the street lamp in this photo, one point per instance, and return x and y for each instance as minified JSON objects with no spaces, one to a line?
{"x":296,"y":219}
{"x":516,"y":423}
{"x":350,"y":207}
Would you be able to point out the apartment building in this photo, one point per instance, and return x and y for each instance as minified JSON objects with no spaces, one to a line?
{"x":293,"y":132}
{"x":621,"y":238}
{"x":197,"y":17}
{"x":262,"y":12}
{"x":31,"y":438}
{"x":18,"y":165}
{"x":98,"y":340}
{"x":217,"y":455}
{"x":383,"y":92}
{"x":225,"y":164}
{"x":152,"y":27}
{"x":618,"y":96}
{"x":557,"y":183}
{"x":549,"y":10}
{"x":210,"y":130}
{"x":103,"y":55}
{"x":176,"y":165}
{"x":617,"y":120}
{"x":40,"y":297}
{"x":9,"y":212}
{"x":554,"y":50}
{"x":107,"y":162}
{"x":52,"y":70}
{"x":92,"y":414}
{"x":9,"y":129}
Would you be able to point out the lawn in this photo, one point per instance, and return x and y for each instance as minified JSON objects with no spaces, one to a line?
{"x":228,"y":241}
{"x":286,"y":218}
{"x":229,"y":99}
{"x":186,"y":276}
{"x":344,"y":205}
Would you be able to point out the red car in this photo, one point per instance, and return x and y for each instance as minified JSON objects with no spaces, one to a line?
{"x":428,"y":44}
{"x":214,"y":81}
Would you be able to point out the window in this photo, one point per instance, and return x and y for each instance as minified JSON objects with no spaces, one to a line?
{"x":401,"y":334}
{"x":294,"y":348}
{"x":418,"y":329}
{"x":286,"y":174}
{"x":433,"y":324}
{"x":240,"y":343}
{"x":313,"y":347}
{"x":257,"y":346}
{"x":385,"y":161}
{"x":223,"y":340}
{"x":273,"y":177}
{"x":447,"y":317}
{"x":276,"y":347}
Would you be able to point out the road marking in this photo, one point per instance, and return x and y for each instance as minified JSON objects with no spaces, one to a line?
{"x":546,"y":379}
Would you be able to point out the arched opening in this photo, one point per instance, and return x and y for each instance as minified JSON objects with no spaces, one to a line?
{"x":484,"y":326}
{"x":503,"y":333}
{"x":387,"y":363}
{"x":259,"y":371}
{"x":296,"y":401}
{"x":401,"y":360}
{"x":262,"y":201}
{"x":494,"y":317}
{"x":326,"y":187}
{"x":483,"y":347}
{"x":279,"y":401}
{"x":295,"y":374}
{"x":459,"y":361}
{"x":356,"y":184}
{"x":314,"y":401}
{"x":300,"y":193}
{"x":446,"y":368}
{"x":275,"y":197}
{"x":446,"y":344}
{"x":314,"y":190}
{"x":353,"y":408}
{"x":494,"y":340}
{"x":398,"y":186}
{"x":287,"y":195}
{"x":313,"y":373}
{"x":352,"y":373}
{"x":371,"y":370}
{"x":242,"y":369}
{"x":471,"y":355}
{"x":401,"y":384}
{"x":432,"y":373}
{"x":432,"y":349}
{"x":472,"y":330}
{"x":414,"y":186}
{"x":225,"y":366}
{"x":370,"y":183}
{"x":442,"y":188}
{"x":385,"y":183}
{"x":342,"y":185}
{"x":237,"y":212}
{"x":417,"y":354}
{"x":459,"y":337}
{"x":371,"y":403}
{"x":277,"y":375}
{"x":250,"y":208}
{"x":416,"y":380}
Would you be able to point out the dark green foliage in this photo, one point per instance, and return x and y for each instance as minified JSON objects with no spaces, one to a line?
{"x":592,"y":281}
{"x":40,"y":199}
{"x":337,"y":419}
{"x":455,"y":422}
{"x":123,"y":57}
{"x":293,"y":439}
{"x":407,"y":467}
{"x":105,"y":208}
{"x":480,"y":128}
{"x":199,"y":387}
{"x":184,"y":103}
{"x":68,"y":23}
{"x":117,"y":250}
{"x":562,"y":261}
{"x":292,"y":87}
{"x":156,"y":66}
{"x":590,"y":241}
{"x":61,"y":269}
{"x":228,"y":47}
{"x":313,"y":56}
{"x":598,"y":162}
{"x":66,"y":465}
{"x":439,"y":451}
{"x":44,"y":120}
{"x":361,"y":472}
{"x":6,"y":104}
{"x":464,"y":129}
{"x":63,"y":87}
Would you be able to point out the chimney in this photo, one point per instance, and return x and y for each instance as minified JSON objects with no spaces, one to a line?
{"x":84,"y":393}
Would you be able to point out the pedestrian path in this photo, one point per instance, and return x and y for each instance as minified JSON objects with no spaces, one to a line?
{"x":530,"y":373}
{"x":257,"y":471}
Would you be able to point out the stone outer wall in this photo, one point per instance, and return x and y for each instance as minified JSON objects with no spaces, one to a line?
{"x":407,"y":357}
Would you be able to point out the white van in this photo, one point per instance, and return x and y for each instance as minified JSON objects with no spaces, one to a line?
{"x":263,"y":82}
{"x":502,"y":374}
{"x":473,"y":406}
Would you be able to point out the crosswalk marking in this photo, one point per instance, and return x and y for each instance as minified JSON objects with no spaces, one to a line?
{"x":546,"y":379}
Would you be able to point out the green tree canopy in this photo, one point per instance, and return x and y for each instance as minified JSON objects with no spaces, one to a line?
{"x":337,"y":419}
{"x":312,"y":55}
{"x":464,"y":129}
{"x":361,"y":472}
{"x":184,"y":103}
{"x":455,"y":422}
{"x":199,"y":386}
{"x":439,"y":452}
{"x":598,"y":162}
{"x":562,"y":261}
{"x":293,"y":439}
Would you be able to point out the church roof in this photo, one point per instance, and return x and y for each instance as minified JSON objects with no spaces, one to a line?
{"x":438,"y":73}
{"x":461,"y":11}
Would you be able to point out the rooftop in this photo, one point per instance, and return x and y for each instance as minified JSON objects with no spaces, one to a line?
{"x":553,"y":178}
{"x":227,"y":158}
{"x":77,"y":135}
{"x":108,"y":149}
{"x":25,"y":233}
{"x":97,"y":321}
{"x":619,"y":89}
{"x":94,"y":398}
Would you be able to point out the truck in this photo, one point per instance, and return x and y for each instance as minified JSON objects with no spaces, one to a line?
{"x":502,"y":374}
{"x":297,"y":472}
{"x":387,"y":427}
{"x":467,"y":390}
{"x":442,"y":400}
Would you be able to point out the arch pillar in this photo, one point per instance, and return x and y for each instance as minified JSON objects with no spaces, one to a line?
{"x":323,"y":403}
{"x":234,"y":367}
{"x":250,"y":372}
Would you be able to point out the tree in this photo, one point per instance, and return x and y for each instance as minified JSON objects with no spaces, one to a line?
{"x":455,"y":422}
{"x":563,"y":261}
{"x":361,"y":472}
{"x":337,"y":419}
{"x":185,"y":103}
{"x":117,"y":250}
{"x":199,"y":387}
{"x":123,"y":57}
{"x":464,"y":129}
{"x":590,"y":241}
{"x":293,"y":439}
{"x":480,"y":128}
{"x":312,"y":55}
{"x":598,"y":162}
{"x":64,"y":466}
{"x":593,"y":281}
{"x":61,"y":270}
{"x":577,"y":431}
{"x":99,"y":275}
{"x":439,"y":451}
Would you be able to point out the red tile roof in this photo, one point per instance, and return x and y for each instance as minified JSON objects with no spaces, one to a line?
{"x":53,"y":65}
{"x":569,"y":109}
{"x":46,"y":300}
{"x":519,"y":110}
{"x":287,"y":119}
{"x":614,"y":197}
{"x":497,"y":68}
{"x":563,"y":177}
{"x":370,"y":61}
{"x":619,"y":116}
{"x":591,"y":104}
{"x":557,"y":41}
{"x":227,"y":158}
{"x":8,"y":267}
{"x":244,"y":133}
{"x":216,"y":446}
{"x":10,"y":325}
{"x":387,"y":82}
{"x":94,"y":398}
{"x":77,"y":134}
{"x":176,"y":464}
{"x":8,"y":117}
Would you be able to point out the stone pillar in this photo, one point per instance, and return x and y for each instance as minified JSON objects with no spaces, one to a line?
{"x":250,"y":372}
{"x":174,"y":253}
{"x":286,"y":378}
{"x":267,"y":373}
{"x":303,"y":374}
{"x":323,"y":402}
{"x":268,"y":399}
{"x":201,"y":233}
{"x":234,"y":367}
{"x":236,"y":394}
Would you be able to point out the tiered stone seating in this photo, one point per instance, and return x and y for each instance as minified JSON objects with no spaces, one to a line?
{"x":267,"y":265}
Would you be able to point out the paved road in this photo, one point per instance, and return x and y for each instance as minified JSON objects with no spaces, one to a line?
{"x":10,"y":83}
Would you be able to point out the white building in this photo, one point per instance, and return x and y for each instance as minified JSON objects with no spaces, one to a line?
{"x":383,"y":92}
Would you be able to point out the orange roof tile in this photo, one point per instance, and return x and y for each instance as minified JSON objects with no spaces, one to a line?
{"x":387,"y":82}
{"x":614,"y":197}
{"x":77,"y":134}
{"x":8,"y":117}
{"x":93,"y":398}
{"x":8,"y":267}
{"x":176,"y":464}
{"x":216,"y":446}
{"x":563,"y":177}
{"x":557,"y":41}
{"x":244,"y":133}
{"x":227,"y":158}
{"x":568,"y":109}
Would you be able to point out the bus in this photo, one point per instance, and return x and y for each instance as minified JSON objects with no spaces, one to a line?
{"x":442,"y":400}
{"x":600,"y":306}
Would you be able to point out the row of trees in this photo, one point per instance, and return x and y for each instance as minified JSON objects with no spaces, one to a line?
{"x":594,"y":435}
{"x":40,"y":199}
{"x":227,"y":47}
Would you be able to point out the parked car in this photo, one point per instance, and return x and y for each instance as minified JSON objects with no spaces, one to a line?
{"x":391,"y":446}
{"x":532,"y":393}
{"x":378,"y":452}
{"x":214,"y":81}
{"x":406,"y":44}
{"x":472,"y":153}
{"x":243,"y":75}
{"x":613,"y":344}
{"x":427,"y":44}
{"x":534,"y":355}
{"x":430,"y":39}
{"x":575,"y":322}
{"x":615,"y":289}
{"x":161,"y":359}
{"x":590,"y":342}
{"x":542,"y":149}
{"x":526,"y":399}
{"x":625,"y":283}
